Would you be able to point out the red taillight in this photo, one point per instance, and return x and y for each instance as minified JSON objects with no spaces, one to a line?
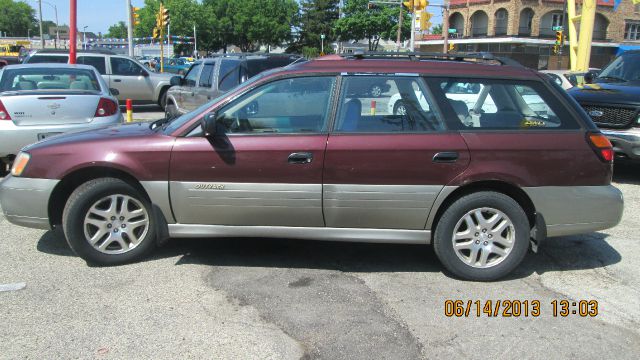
{"x":106,"y":107}
{"x":4,"y":114}
{"x":602,"y":145}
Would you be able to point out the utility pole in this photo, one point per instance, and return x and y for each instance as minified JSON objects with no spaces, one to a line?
{"x":40,"y":15}
{"x":413,"y":27}
{"x":399,"y":29}
{"x":445,"y":26}
{"x":195,"y":42}
{"x":130,"y":28}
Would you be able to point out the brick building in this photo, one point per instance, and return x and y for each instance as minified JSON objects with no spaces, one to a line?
{"x":522,"y":29}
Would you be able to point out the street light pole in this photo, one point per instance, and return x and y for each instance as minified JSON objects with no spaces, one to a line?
{"x":40,"y":15}
{"x":445,"y":27}
{"x":195,"y":42}
{"x":130,"y":28}
{"x":413,"y":27}
{"x":84,"y":37}
{"x":399,"y":29}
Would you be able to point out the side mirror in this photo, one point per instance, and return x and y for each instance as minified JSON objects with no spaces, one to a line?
{"x":176,"y":81}
{"x":114,"y":92}
{"x":589,"y":77}
{"x":208,"y":124}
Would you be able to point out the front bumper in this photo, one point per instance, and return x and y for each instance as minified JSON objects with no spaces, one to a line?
{"x":25,"y":201}
{"x":625,"y":142}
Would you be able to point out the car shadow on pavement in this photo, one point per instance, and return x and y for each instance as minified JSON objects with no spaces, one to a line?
{"x":584,"y":252}
{"x":626,"y":172}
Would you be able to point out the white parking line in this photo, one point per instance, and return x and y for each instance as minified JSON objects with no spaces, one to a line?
{"x":12,"y":287}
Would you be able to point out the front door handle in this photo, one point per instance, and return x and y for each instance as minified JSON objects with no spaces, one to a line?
{"x":117,"y":80}
{"x":300,"y":158}
{"x":446,"y":157}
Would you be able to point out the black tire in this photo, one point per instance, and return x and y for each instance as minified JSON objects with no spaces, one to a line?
{"x":443,"y":237}
{"x":79,"y":204}
{"x":170,"y":111}
{"x":396,"y":108}
{"x":162,"y":101}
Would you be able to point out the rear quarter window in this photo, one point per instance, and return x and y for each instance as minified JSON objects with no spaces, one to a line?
{"x":40,"y":59}
{"x":502,"y":105}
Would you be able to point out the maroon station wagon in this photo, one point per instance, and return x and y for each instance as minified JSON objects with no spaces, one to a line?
{"x":482,"y":160}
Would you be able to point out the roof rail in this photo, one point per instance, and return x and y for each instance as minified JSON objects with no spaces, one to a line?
{"x":244,"y":55}
{"x":66,"y":51}
{"x":418,"y":56}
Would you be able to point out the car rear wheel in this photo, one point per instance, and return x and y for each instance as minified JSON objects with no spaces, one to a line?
{"x":170,"y":111}
{"x":376,"y":90}
{"x":482,"y":236}
{"x":399,"y":108}
{"x":109,"y":222}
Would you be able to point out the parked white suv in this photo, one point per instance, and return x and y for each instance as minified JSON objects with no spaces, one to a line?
{"x":127,"y":75}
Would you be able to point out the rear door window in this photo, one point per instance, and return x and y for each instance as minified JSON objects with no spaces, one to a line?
{"x":38,"y":59}
{"x":206,"y":76}
{"x":504,"y":104}
{"x":229,"y":75}
{"x":403,"y":105}
{"x":95,"y":61}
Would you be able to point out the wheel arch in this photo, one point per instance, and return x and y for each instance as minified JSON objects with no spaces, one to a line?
{"x":450,"y":194}
{"x":71,"y":181}
{"x":164,"y":88}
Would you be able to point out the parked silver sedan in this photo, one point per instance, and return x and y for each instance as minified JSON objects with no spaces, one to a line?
{"x":41,"y":100}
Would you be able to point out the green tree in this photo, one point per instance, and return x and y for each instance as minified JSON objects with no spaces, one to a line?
{"x":359,"y":23}
{"x":437,"y":29}
{"x":16,"y":17}
{"x":316,"y":17}
{"x":117,"y":31}
{"x":248,"y":24}
{"x":183,"y":14}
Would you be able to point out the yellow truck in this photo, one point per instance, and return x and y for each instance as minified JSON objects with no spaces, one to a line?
{"x":14,"y":48}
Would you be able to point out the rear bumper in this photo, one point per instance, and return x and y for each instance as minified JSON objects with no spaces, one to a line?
{"x":25,"y":201}
{"x":13,"y":137}
{"x":625,"y":142}
{"x":570,"y":210}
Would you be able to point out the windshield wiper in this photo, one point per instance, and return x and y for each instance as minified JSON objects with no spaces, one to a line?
{"x":612,"y":78}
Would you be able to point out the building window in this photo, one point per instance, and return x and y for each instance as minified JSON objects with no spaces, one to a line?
{"x":636,"y":8}
{"x":556,"y":20}
{"x":632,"y":30}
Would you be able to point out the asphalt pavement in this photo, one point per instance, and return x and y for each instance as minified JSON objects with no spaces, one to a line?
{"x":292,"y":299}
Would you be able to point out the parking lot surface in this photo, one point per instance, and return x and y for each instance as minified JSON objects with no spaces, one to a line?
{"x":287,"y":299}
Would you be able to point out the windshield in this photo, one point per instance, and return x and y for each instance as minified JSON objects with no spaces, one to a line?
{"x":625,"y":67}
{"x":45,"y":79}
{"x":178,"y":122}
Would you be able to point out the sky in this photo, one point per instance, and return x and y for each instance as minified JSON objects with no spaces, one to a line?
{"x":98,"y":15}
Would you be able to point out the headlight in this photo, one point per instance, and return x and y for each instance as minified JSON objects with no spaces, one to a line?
{"x":20,"y":163}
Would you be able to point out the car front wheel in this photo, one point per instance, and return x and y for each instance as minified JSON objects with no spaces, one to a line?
{"x":482,"y":236}
{"x":399,"y":109}
{"x":109,"y":222}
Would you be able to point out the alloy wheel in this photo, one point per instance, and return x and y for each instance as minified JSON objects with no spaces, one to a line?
{"x":116,"y":224}
{"x":483,"y":237}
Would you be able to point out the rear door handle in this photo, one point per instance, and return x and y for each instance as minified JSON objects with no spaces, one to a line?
{"x":300,"y":158}
{"x":446,"y":157}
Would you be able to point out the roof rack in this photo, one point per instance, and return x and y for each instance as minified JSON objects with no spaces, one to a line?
{"x":245,"y":55}
{"x":66,"y":51}
{"x":418,"y":56}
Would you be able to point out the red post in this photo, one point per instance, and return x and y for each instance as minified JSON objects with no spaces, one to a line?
{"x":373,"y":107}
{"x":129,"y":110}
{"x":73,"y":31}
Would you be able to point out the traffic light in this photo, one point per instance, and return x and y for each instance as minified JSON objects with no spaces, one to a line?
{"x":424,"y":20}
{"x":415,"y":5}
{"x":156,"y":33}
{"x":164,"y":15}
{"x":135,"y":17}
{"x":452,"y":47}
{"x":559,"y":38}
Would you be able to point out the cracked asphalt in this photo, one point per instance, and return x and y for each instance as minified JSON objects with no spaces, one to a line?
{"x":287,"y":299}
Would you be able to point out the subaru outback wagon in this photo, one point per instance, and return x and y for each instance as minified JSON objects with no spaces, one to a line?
{"x":298,"y":153}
